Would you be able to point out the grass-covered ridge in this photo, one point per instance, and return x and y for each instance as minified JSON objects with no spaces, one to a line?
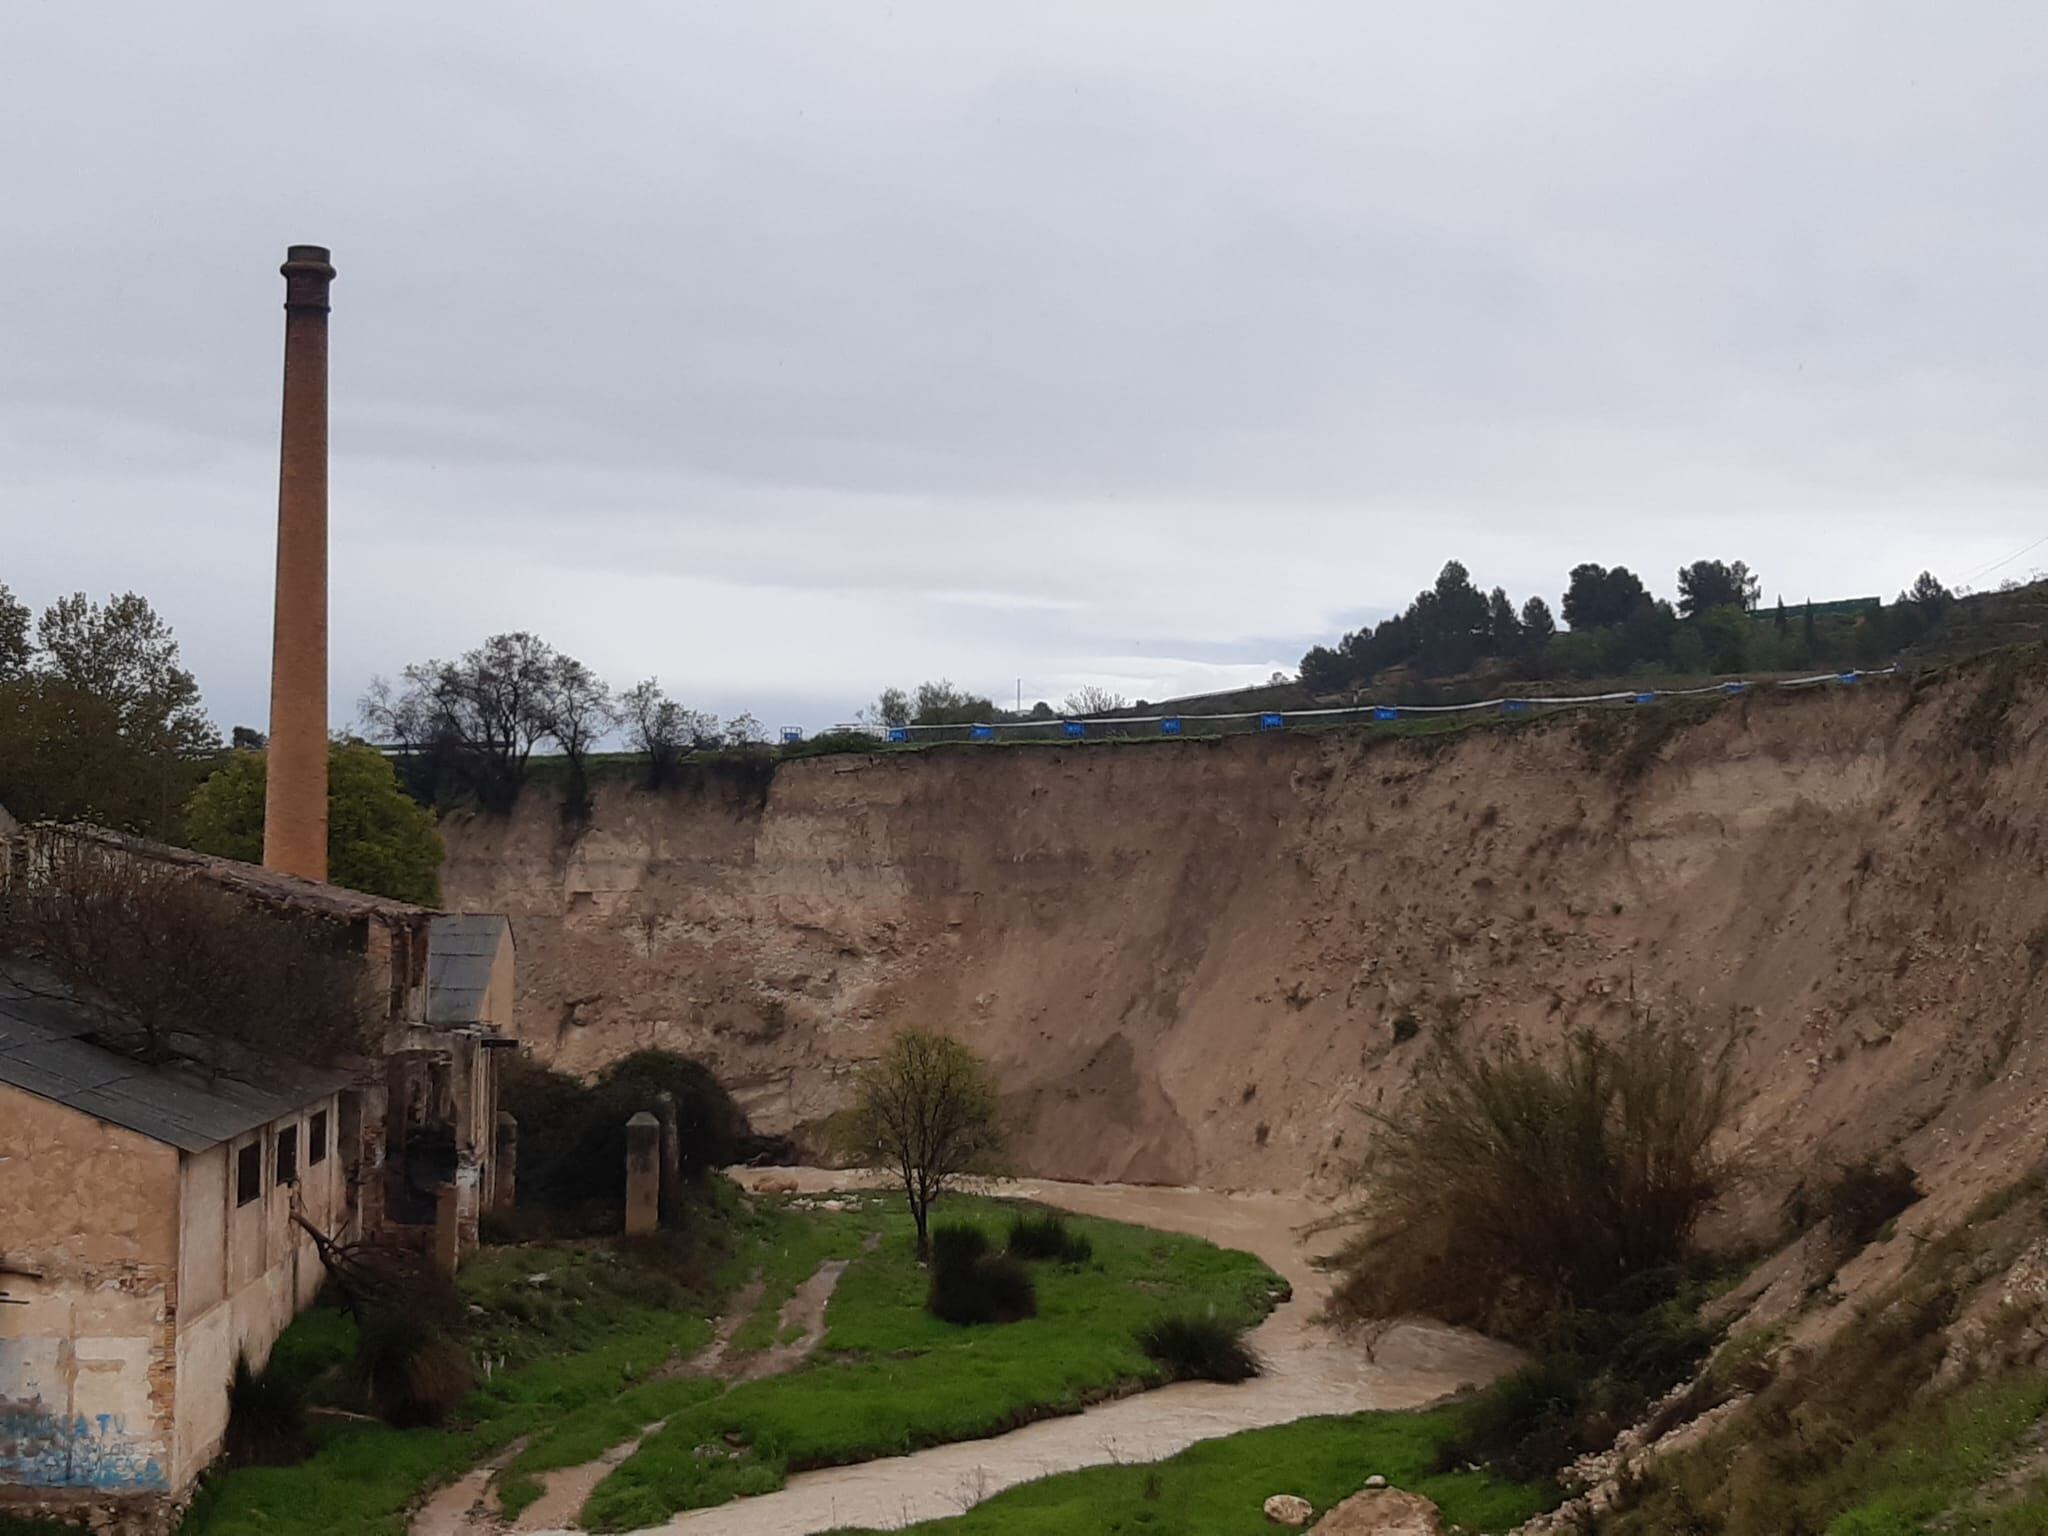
{"x":891,"y":1378}
{"x":1218,"y":1487}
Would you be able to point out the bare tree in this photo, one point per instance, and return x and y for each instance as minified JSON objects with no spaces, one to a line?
{"x":657,"y":726}
{"x":473,"y":722}
{"x":576,"y":709}
{"x":175,"y":964}
{"x":745,"y":731}
{"x":926,"y":1111}
{"x":1092,"y":700}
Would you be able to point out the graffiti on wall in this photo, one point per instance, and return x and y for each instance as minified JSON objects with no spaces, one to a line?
{"x":41,"y":1449}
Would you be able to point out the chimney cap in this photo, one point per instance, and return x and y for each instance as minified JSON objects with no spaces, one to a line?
{"x":309,"y":259}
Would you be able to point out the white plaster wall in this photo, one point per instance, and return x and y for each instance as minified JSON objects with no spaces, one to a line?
{"x":268,"y":1263}
{"x":88,"y":1243}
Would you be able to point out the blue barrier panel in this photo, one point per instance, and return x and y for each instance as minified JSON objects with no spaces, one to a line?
{"x":981,"y":732}
{"x":1646,"y":698}
{"x":1383,"y":712}
{"x":1271,"y":722}
{"x":1515,"y":706}
{"x":1847,"y":677}
{"x":1072,"y":728}
{"x":1170,"y":726}
{"x":899,"y":733}
{"x":1734,"y":687}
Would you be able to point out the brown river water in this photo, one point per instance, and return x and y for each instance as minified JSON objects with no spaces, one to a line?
{"x":1309,"y":1371}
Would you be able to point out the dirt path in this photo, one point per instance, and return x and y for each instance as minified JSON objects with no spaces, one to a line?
{"x":806,"y":1310}
{"x":467,"y":1507}
{"x":1308,"y":1372}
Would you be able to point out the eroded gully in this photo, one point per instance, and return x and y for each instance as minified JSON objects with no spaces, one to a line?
{"x":1309,"y":1371}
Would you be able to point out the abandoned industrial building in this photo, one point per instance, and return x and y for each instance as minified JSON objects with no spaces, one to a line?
{"x":148,"y":1237}
{"x":156,"y":1207}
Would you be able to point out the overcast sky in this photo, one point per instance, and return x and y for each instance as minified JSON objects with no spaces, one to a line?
{"x":791,"y":350}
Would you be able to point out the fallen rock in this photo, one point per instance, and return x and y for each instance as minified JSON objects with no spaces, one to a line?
{"x":1382,"y":1511}
{"x":1289,"y":1509}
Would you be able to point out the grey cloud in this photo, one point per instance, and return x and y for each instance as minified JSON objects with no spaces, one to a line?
{"x":1123,"y":342}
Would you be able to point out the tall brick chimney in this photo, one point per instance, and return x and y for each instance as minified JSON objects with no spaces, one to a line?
{"x":295,"y":798}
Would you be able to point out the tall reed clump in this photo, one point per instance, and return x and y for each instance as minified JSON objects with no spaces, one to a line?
{"x":1516,"y":1189}
{"x":1046,"y":1236}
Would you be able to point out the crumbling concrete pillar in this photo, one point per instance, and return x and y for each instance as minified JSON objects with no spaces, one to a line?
{"x":643,"y":1173}
{"x":448,"y":1228}
{"x":505,"y":1165}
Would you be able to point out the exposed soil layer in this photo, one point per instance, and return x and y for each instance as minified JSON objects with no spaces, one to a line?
{"x":1211,"y":962}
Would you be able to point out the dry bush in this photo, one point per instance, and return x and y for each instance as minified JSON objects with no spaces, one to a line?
{"x":1856,"y":1202}
{"x":163,"y":954}
{"x":1515,"y":1190}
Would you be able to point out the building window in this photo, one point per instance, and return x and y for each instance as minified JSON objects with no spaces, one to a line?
{"x":249,"y":1173}
{"x":288,"y":1155}
{"x":316,"y":1138}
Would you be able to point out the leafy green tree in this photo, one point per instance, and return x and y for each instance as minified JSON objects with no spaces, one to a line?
{"x":98,"y":721}
{"x":1503,"y":628}
{"x":379,"y":839}
{"x":1706,"y":585}
{"x":927,"y":1113}
{"x":892,"y":709}
{"x":934,"y":703}
{"x":1599,"y":598}
{"x":1537,"y":625}
{"x":120,"y":651}
{"x":941,"y":703}
{"x":1926,"y":591}
{"x":14,"y":646}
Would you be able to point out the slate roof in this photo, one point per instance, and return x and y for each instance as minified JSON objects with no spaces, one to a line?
{"x":209,"y":1094}
{"x":460,"y":948}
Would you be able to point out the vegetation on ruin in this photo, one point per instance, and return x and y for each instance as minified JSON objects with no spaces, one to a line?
{"x":169,"y":960}
{"x":1217,"y":1488}
{"x":379,"y":839}
{"x":572,"y":1136}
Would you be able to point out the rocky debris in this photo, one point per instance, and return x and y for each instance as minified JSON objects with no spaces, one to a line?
{"x":1289,"y":1509}
{"x":1601,"y":1473}
{"x":1383,"y":1511}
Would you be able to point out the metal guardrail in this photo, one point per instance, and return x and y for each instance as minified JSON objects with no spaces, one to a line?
{"x":1126,"y":727}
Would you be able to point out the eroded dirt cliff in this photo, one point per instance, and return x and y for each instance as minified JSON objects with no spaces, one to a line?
{"x":1210,"y":962}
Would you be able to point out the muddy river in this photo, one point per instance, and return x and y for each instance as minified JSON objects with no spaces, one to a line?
{"x":1308,"y":1372}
